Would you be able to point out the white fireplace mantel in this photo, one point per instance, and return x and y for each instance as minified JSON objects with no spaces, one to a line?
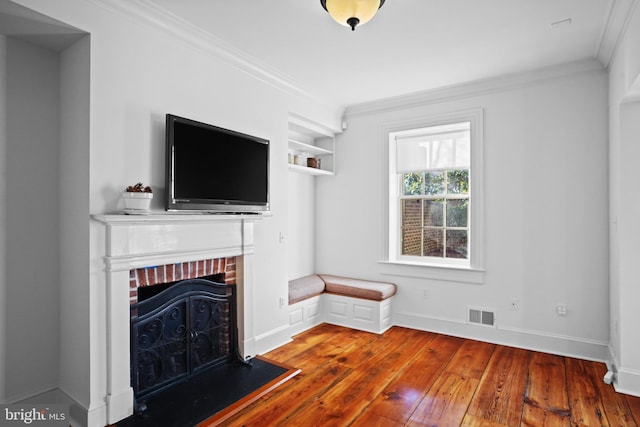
{"x":136,"y":241}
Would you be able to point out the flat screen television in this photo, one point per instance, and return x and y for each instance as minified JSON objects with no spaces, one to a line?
{"x":211,"y":169}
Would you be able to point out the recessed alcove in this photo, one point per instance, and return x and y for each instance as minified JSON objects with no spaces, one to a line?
{"x":44,"y":202}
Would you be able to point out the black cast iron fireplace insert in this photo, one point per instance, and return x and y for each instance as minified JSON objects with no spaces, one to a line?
{"x":180,"y":332}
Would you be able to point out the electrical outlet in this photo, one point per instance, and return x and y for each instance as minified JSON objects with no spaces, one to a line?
{"x":281,"y":238}
{"x":515,"y":304}
{"x":281,"y":302}
{"x":425,"y":294}
{"x":561,"y":309}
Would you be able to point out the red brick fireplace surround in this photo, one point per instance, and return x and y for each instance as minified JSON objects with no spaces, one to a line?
{"x":149,"y":276}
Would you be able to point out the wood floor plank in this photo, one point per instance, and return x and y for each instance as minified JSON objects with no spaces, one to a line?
{"x":634,"y":407}
{"x":328,"y":348}
{"x":446,"y":403}
{"x":355,"y":355}
{"x":537,"y":416}
{"x":302,"y":342}
{"x":471,"y":421}
{"x":500,"y":394}
{"x":584,"y":399}
{"x":400,"y":398}
{"x":471,"y":359}
{"x":348,"y":398}
{"x":615,"y":405}
{"x":371,"y":419}
{"x":406,"y":377}
{"x":547,"y":384}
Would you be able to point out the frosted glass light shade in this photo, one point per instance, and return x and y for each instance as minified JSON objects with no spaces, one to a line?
{"x":352,"y":12}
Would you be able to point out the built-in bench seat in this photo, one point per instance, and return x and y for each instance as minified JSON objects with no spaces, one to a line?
{"x":355,"y":303}
{"x":305,"y":287}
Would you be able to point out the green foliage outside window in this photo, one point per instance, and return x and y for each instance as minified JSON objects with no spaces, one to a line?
{"x":434,"y":183}
{"x":438,"y":195}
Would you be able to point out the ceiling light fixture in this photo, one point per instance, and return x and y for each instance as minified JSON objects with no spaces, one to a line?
{"x":352,"y":12}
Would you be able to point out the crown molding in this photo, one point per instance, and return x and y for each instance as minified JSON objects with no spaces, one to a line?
{"x":146,"y":12}
{"x":474,"y":88}
{"x":617,"y":21}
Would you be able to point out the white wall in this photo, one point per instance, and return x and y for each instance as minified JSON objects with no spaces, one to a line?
{"x":624,"y":131}
{"x":140,"y":72}
{"x":74,"y":210}
{"x":32,"y":214}
{"x":301,"y":225}
{"x":3,"y":212}
{"x":545,"y":140}
{"x":132,"y":90}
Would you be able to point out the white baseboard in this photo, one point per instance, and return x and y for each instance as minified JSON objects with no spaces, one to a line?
{"x":120,"y":405}
{"x":95,"y":417}
{"x":627,"y":381}
{"x":527,"y":339}
{"x":27,"y":397}
{"x":79,"y":415}
{"x":272,"y":339}
{"x":248,"y":348}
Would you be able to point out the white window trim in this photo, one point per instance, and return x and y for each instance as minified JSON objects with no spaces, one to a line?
{"x":446,"y":271}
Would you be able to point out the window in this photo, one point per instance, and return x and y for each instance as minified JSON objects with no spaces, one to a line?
{"x":433,"y":175}
{"x":435,"y":194}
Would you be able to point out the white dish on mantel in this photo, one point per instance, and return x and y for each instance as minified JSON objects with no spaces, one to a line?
{"x":129,"y":211}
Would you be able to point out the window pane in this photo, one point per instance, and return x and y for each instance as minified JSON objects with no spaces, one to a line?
{"x":412,"y":241}
{"x":411,"y":213}
{"x":457,"y":213}
{"x":433,"y":242}
{"x":456,"y":244}
{"x":433,"y":183}
{"x":458,"y":181}
{"x":434,"y":213}
{"x":412,"y":184}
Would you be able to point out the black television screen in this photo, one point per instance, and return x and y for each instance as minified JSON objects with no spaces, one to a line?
{"x":215,"y":169}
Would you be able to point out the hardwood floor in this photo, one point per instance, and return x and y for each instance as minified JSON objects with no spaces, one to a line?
{"x":413,"y":378}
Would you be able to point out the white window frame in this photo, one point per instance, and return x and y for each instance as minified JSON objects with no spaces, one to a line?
{"x":468,"y":271}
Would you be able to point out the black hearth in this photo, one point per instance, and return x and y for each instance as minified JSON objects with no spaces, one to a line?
{"x":182,"y":331}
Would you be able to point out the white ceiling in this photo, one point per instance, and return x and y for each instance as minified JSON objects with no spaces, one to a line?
{"x":410,"y":46}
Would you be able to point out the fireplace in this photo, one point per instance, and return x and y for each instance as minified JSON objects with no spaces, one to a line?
{"x":139,"y":249}
{"x":179,"y":332}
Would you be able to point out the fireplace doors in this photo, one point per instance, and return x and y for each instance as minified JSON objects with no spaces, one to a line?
{"x":189,"y":327}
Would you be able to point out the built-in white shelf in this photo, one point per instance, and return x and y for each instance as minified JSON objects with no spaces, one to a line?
{"x":163,"y":217}
{"x":308,"y":148}
{"x":308,"y":170}
{"x":309,"y":139}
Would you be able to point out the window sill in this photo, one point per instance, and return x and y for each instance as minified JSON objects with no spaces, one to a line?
{"x":437,"y":272}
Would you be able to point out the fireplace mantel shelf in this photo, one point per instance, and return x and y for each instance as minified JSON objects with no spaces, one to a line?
{"x":164,"y":218}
